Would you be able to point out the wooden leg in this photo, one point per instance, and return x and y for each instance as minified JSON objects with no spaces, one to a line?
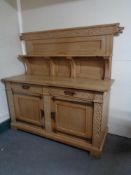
{"x":13,"y":127}
{"x":96,"y":153}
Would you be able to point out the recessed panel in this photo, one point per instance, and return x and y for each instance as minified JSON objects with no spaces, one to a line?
{"x":62,"y":67}
{"x":89,"y":68}
{"x":81,"y":46}
{"x":28,"y":109}
{"x":74,"y":119}
{"x":40,"y":66}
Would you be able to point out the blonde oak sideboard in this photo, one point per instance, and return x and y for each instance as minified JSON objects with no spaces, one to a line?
{"x":64,"y":92}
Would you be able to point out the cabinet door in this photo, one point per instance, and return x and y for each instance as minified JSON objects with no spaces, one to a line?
{"x":72,"y":118}
{"x":29,"y":109}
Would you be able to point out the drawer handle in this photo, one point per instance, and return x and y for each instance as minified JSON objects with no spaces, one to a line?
{"x":53,"y":115}
{"x":42,"y":117}
{"x":67,"y":92}
{"x":25,"y":86}
{"x":42,"y":113}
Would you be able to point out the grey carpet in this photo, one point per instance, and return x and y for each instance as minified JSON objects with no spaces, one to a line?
{"x":26,"y":154}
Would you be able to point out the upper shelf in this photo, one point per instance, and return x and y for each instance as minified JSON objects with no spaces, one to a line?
{"x":83,"y":41}
{"x":67,"y":66}
{"x":61,"y":56}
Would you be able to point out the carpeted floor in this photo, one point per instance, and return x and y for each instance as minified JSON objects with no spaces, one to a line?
{"x":25,"y":154}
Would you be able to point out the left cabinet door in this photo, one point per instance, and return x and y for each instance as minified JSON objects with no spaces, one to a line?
{"x":29,"y":109}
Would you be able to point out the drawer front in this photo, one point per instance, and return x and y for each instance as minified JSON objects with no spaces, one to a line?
{"x":72,"y":93}
{"x":26,"y":88}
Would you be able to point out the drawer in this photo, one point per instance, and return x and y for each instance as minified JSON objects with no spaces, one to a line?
{"x":72,"y":93}
{"x":26,"y":88}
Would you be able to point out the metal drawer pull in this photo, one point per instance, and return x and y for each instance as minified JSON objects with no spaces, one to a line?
{"x":42,"y":118}
{"x":25,"y":86}
{"x":42,"y":113}
{"x":53,"y":115}
{"x":68,"y":92}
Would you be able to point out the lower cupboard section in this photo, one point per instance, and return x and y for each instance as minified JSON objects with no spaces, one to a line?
{"x":60,"y":116}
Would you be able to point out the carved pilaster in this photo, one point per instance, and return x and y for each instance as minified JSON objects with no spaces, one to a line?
{"x":46,"y":101}
{"x":97,"y":124}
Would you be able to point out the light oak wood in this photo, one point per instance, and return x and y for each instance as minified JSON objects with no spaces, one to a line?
{"x":74,"y":67}
{"x":82,"y":41}
{"x":72,"y":118}
{"x":26,"y":88}
{"x":73,"y":83}
{"x":72,"y":93}
{"x":64,"y":93}
{"x":29,"y":109}
{"x":10,"y":101}
{"x":104,"y":29}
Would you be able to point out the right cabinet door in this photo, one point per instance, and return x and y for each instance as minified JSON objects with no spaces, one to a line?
{"x":72,"y":118}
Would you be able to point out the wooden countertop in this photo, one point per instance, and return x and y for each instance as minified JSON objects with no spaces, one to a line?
{"x":76,"y":83}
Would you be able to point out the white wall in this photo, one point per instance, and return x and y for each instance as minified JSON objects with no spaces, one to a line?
{"x":9,"y":49}
{"x":51,"y":14}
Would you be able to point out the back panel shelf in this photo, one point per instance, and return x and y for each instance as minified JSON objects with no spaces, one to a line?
{"x":71,"y":67}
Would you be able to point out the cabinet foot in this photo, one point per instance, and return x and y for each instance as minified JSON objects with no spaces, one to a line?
{"x":14,"y":127}
{"x":96,"y":154}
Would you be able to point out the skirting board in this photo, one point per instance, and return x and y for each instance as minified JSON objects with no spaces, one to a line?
{"x":120,"y":126}
{"x":4,"y":125}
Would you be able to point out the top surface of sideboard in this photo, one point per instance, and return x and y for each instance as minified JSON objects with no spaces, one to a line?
{"x":77,"y":83}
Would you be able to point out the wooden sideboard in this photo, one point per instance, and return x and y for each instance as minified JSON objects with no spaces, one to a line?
{"x":64,"y":92}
